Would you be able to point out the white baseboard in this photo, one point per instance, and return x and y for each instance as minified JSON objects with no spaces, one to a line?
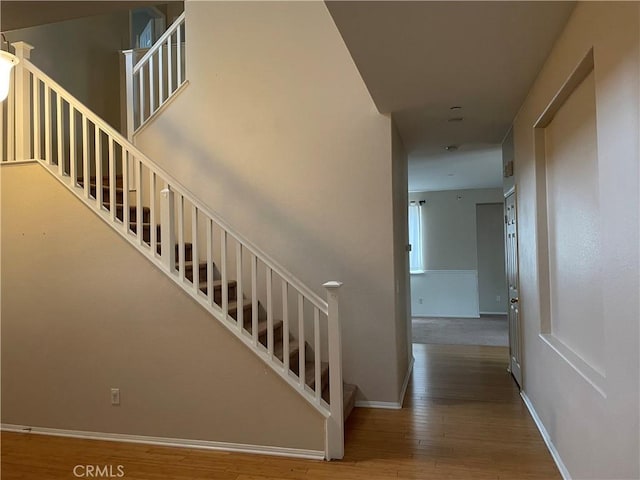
{"x":493,"y":313}
{"x":547,"y":439}
{"x":387,"y":405}
{"x":444,"y":316}
{"x":169,"y":442}
{"x":390,"y":405}
{"x":405,"y":384}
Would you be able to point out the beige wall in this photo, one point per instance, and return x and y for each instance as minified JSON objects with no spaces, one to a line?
{"x":82,"y":56}
{"x":449,"y":225}
{"x":277,"y":133}
{"x":585,"y":393}
{"x":491,"y":267}
{"x":450,"y":287}
{"x":83,"y":311}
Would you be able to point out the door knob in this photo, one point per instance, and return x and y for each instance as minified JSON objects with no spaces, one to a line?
{"x":514,"y":300}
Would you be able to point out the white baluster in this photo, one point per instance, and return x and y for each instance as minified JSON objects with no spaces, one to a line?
{"x":72,"y":145}
{"x":167,"y":234}
{"x":160,"y":75}
{"x":59,"y":133}
{"x":317,"y":362}
{"x":254,"y":299}
{"x":223,"y":274}
{"x":127,"y":159}
{"x":112,"y":181}
{"x":239,"y":296}
{"x":285,"y":326}
{"x":169,"y":68}
{"x":153,"y":241}
{"x":152,"y":99}
{"x":11,"y":107}
{"x":210,"y":292}
{"x":195,"y":256}
{"x":47,"y":125}
{"x":141,"y":93}
{"x":98,"y":157}
{"x":335,"y":423}
{"x":179,"y":55}
{"x":126,"y":97}
{"x":139,"y":206}
{"x":37,"y":147}
{"x":181,"y":245}
{"x":302,"y":374}
{"x":270,"y":339}
{"x":86,"y":173}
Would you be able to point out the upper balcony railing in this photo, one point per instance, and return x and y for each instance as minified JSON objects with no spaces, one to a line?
{"x":155,"y":78}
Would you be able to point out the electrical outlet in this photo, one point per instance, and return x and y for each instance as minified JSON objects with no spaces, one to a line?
{"x":420,"y":301}
{"x":115,"y":396}
{"x":498,"y":298}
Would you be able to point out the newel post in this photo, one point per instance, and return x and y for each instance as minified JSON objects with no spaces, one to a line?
{"x":23,"y":102}
{"x":167,"y":232}
{"x":335,"y":423}
{"x":126,"y":93}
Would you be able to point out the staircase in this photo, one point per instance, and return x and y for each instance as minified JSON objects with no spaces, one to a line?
{"x":288,"y":326}
{"x":293,"y":348}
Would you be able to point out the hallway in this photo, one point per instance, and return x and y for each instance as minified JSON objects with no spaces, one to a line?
{"x":462,"y":419}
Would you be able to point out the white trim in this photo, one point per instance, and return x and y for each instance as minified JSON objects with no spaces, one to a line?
{"x":384,"y":405}
{"x":405,"y":384}
{"x":169,"y":442}
{"x":444,"y":316}
{"x":593,"y":377}
{"x":547,"y":439}
{"x":494,"y":313}
{"x":18,"y":162}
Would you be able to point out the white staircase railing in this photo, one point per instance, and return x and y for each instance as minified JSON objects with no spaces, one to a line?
{"x":155,"y":78}
{"x":182,"y":236}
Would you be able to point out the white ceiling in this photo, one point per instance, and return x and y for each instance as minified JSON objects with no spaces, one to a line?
{"x":419,"y":58}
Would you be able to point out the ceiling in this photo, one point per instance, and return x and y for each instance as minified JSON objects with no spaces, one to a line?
{"x":420,"y":58}
{"x":28,"y":13}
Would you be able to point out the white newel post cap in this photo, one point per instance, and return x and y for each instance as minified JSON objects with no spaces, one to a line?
{"x":333,"y":285}
{"x":22,"y":49}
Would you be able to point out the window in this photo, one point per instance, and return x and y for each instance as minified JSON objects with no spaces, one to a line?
{"x":416,"y":260}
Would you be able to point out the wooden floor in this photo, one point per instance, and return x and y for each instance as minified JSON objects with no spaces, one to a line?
{"x":462,"y":419}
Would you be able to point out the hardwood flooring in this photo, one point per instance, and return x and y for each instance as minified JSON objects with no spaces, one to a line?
{"x":462,"y":419}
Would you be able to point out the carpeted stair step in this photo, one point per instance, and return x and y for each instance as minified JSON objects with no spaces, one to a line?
{"x":146,"y":231}
{"x":146,"y":212}
{"x":105,"y":180}
{"x":349,"y":393}
{"x":246,"y":309}
{"x":232,"y":289}
{"x":294,"y":350}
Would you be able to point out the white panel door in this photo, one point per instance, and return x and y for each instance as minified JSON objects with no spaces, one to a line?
{"x":511,"y":261}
